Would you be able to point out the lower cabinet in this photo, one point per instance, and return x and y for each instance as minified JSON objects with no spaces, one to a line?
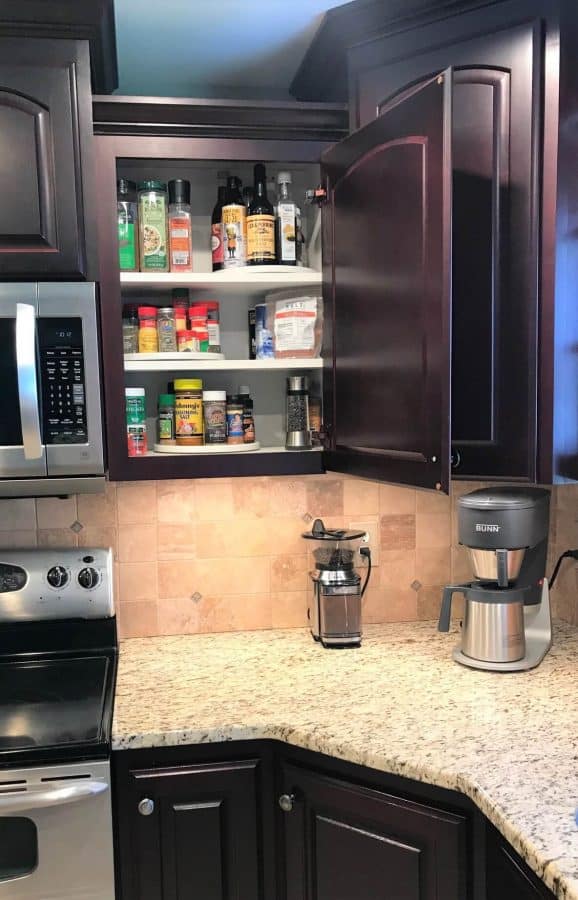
{"x":344,"y":842}
{"x":507,"y":876}
{"x":190,"y":831}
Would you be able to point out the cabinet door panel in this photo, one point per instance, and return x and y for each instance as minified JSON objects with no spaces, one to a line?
{"x":44,"y":105}
{"x":386,"y":284}
{"x":495,"y":129}
{"x":344,"y":842}
{"x":507,"y":876}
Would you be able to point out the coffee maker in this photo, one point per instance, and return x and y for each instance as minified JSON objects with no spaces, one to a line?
{"x":506,"y":625}
{"x":335,"y":600}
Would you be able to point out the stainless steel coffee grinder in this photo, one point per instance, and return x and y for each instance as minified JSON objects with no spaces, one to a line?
{"x":507,"y":623}
{"x":335,"y":599}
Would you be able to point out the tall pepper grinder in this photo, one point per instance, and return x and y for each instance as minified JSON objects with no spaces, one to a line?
{"x":298,"y":425}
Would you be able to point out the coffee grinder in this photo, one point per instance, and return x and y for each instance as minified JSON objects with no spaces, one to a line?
{"x":335,"y":600}
{"x":507,"y":623}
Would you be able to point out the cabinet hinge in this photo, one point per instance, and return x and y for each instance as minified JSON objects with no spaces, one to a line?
{"x":316,"y":195}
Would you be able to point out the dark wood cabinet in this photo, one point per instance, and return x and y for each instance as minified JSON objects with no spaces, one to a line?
{"x":507,"y":876}
{"x":190,"y":830}
{"x":45,"y":164}
{"x":343,"y":840}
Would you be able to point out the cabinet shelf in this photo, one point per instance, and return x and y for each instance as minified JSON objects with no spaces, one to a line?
{"x":184,"y":362}
{"x":248,"y":280}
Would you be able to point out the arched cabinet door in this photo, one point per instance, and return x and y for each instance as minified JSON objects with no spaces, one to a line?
{"x":44,"y":133}
{"x":387,"y":257}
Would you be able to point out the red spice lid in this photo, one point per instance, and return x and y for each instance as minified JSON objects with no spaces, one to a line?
{"x":146,"y":311}
{"x":212,"y":304}
{"x":198,"y":309}
{"x":198,"y":322}
{"x":186,"y":335}
{"x":202,"y":335}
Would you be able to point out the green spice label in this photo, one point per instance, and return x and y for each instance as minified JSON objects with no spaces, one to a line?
{"x":127,"y":237}
{"x":153,"y":227}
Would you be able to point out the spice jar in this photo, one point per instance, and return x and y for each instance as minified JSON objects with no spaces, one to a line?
{"x":214,"y":326}
{"x":127,"y":219}
{"x":166,"y":329}
{"x":148,"y":339}
{"x":235,"y":434}
{"x":199,"y":329}
{"x":130,"y":330}
{"x":298,"y":427}
{"x":166,"y":419}
{"x":136,"y":426}
{"x":187,"y":342}
{"x":152,"y":214}
{"x":180,"y":306}
{"x":189,"y":411}
{"x":215,"y":414}
{"x":248,"y":419}
{"x":180,"y":227}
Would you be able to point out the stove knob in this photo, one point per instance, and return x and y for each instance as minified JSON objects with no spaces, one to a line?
{"x":88,"y":578}
{"x":57,"y":577}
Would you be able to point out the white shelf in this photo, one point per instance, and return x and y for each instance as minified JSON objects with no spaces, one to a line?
{"x":213,"y":362}
{"x":254,"y":280}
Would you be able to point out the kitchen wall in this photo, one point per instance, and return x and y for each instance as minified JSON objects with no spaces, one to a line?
{"x":226,"y":554}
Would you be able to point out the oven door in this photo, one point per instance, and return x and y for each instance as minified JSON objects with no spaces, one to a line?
{"x":22,"y":450}
{"x":56,"y":833}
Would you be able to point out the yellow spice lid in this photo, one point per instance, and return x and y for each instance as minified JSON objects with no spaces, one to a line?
{"x":188,"y":384}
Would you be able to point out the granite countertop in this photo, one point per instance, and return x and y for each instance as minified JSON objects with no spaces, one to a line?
{"x":398,"y":704}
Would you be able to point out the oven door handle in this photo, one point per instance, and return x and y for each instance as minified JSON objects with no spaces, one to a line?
{"x":41,"y":797}
{"x":27,"y":386}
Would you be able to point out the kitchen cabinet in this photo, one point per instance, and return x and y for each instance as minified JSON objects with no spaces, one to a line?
{"x":45,"y":165}
{"x":343,"y":840}
{"x":190,"y":830}
{"x":507,"y":875}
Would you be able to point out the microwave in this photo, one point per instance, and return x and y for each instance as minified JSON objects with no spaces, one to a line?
{"x":51,"y":434}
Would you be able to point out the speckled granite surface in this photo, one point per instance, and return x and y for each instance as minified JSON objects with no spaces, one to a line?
{"x":399,"y":704}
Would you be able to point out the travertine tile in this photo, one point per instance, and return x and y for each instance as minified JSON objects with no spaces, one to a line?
{"x":176,"y":541}
{"x":176,"y":501}
{"x":289,"y":573}
{"x":178,"y":616}
{"x":137,"y":503}
{"x":99,"y":537}
{"x":261,"y":537}
{"x":289,"y":609}
{"x":397,"y":569}
{"x":17,"y":515}
{"x":138,"y":619}
{"x":397,"y":532}
{"x":251,"y":498}
{"x":288,"y":497}
{"x":433,"y":565}
{"x":461,"y":568}
{"x":249,"y":613}
{"x":432,"y":502}
{"x":137,"y":543}
{"x":360,"y":497}
{"x":400,"y":605}
{"x":57,"y":537}
{"x":433,"y":530}
{"x":325,"y":496}
{"x":11,"y":540}
{"x":137,"y":582}
{"x":394,"y":500}
{"x":56,"y":512}
{"x":371,"y":526}
{"x":429,"y":601}
{"x":98,"y":510}
{"x":245,"y":575}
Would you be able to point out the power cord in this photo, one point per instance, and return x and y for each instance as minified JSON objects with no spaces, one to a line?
{"x":568,"y":554}
{"x":366,"y":552}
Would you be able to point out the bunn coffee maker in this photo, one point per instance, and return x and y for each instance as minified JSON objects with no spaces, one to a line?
{"x":506,"y":625}
{"x":335,"y":600}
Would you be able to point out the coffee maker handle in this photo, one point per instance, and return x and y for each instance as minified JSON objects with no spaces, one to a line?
{"x":446,"y":610}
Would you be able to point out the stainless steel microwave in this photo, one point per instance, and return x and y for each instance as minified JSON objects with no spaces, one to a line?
{"x":51,"y":435}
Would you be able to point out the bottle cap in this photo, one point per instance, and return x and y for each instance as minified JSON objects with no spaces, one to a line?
{"x":166,"y":310}
{"x":147,"y":311}
{"x":180,"y":191}
{"x":124,"y":187}
{"x":244,"y":389}
{"x":220,"y":396}
{"x":166,"y":399}
{"x":298,"y":383}
{"x":152,"y":185}
{"x":134,"y":392}
{"x":188,"y":384}
{"x":284,"y":178}
{"x":198,"y":310}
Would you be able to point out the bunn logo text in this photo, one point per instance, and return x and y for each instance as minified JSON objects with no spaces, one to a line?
{"x":480,"y":527}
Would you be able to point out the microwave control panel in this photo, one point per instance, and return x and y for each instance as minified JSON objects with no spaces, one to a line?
{"x":62,"y":378}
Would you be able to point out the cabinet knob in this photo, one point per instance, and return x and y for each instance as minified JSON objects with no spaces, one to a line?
{"x":287,"y":802}
{"x":146,"y":807}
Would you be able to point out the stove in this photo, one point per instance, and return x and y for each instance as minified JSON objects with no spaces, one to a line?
{"x":58,"y":658}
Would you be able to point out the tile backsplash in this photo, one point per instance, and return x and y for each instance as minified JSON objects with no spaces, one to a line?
{"x":226,"y":554}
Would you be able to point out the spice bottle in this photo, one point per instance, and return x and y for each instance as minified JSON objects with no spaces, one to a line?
{"x":234,"y":226}
{"x":189,"y":411}
{"x":130,"y":329}
{"x":152,"y":216}
{"x":180,"y":226}
{"x":298,"y":426}
{"x":136,"y":426}
{"x":248,"y":419}
{"x":126,"y":206}
{"x":215,"y":415}
{"x":166,"y":419}
{"x":148,"y":339}
{"x":180,"y":305}
{"x":286,"y":224}
{"x":214,"y":326}
{"x":166,"y":329}
{"x":216,"y":233}
{"x":235,"y":434}
{"x":260,"y":223}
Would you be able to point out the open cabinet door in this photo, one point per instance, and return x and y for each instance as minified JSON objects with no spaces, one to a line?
{"x":387,"y":286}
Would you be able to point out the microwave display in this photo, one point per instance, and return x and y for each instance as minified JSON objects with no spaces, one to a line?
{"x":62,"y":376}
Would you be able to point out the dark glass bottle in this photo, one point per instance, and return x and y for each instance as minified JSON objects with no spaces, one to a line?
{"x":216,"y":237}
{"x":260,"y":223}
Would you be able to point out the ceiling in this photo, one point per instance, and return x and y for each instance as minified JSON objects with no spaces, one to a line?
{"x":243,"y":49}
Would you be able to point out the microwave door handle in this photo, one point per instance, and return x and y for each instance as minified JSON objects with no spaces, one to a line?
{"x":27,"y":385}
{"x":42,"y":797}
